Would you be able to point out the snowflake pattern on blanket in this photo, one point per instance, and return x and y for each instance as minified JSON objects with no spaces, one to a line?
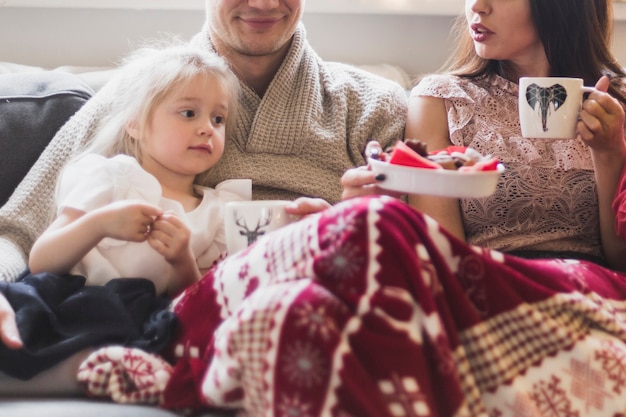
{"x":371,"y":309}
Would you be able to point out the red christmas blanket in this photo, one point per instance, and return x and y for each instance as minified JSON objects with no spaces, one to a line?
{"x":371,"y":309}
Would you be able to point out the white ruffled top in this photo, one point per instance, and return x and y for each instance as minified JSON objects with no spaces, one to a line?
{"x":95,"y":181}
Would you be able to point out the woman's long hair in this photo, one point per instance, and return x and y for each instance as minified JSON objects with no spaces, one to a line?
{"x":576,"y":35}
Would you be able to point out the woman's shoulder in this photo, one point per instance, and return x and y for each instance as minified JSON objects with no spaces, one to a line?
{"x":445,"y":86}
{"x":474,"y":89}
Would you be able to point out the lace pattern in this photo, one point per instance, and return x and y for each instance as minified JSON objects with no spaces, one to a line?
{"x":546,"y":199}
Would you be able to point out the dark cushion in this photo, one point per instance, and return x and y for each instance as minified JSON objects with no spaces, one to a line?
{"x":33,"y":106}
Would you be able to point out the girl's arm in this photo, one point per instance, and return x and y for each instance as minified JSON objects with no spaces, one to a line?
{"x":74,"y":233}
{"x":427,"y":121}
{"x":602,"y":128}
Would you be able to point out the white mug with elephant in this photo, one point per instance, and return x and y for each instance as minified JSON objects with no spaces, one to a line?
{"x":549,"y":107}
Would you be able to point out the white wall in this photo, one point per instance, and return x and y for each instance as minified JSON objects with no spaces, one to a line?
{"x":94,"y":37}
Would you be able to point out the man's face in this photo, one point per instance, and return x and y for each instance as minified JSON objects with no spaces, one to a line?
{"x":253,"y":27}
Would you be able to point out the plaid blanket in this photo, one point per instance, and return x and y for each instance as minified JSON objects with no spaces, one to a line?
{"x":371,"y":309}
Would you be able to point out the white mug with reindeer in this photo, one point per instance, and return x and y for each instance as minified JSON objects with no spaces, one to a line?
{"x":247,"y":221}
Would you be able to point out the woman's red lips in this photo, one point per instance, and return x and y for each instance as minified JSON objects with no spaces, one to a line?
{"x":479,"y":27}
{"x":480,"y":32}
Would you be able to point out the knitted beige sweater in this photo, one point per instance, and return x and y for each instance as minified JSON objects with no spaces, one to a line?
{"x":297,"y":140}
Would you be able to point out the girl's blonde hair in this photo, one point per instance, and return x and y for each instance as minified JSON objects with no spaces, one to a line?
{"x":145,"y":78}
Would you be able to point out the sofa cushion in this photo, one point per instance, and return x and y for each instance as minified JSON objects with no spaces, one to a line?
{"x":62,"y":407}
{"x":33,"y":106}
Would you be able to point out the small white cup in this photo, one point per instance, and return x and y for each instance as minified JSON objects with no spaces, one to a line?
{"x":247,"y":221}
{"x":549,"y":106}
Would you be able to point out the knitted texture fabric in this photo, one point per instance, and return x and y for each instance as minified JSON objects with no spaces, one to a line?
{"x":297,"y":140}
{"x":312,"y":124}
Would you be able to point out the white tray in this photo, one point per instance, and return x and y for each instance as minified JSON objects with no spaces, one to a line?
{"x":438,"y":182}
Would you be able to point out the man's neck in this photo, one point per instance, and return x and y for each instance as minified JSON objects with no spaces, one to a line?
{"x":256,"y":71}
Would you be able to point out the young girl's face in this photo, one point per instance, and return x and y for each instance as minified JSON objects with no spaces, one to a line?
{"x":186,"y":132}
{"x":504,"y":30}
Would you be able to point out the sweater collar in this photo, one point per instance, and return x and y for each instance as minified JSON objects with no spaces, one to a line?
{"x":275,"y":122}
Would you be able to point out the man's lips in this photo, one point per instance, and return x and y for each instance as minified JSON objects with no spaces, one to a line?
{"x":260,"y":23}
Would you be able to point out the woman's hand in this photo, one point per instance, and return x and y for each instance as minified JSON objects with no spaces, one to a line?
{"x":363,"y":181}
{"x":9,"y":335}
{"x":601,"y":124}
{"x":602,"y":128}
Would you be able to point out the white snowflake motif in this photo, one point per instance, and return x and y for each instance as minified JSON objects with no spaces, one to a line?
{"x":304,"y":365}
{"x":317,"y":320}
{"x":140,"y":371}
{"x":293,"y":407}
{"x":344,"y":263}
{"x":342,"y":224}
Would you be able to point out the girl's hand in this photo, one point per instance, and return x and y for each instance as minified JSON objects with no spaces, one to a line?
{"x":127,"y":220}
{"x":601,"y":124}
{"x":304,"y":206}
{"x":74,"y":233}
{"x":170,"y":237}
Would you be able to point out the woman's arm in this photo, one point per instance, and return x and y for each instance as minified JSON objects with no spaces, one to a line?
{"x":427,"y":121}
{"x":74,"y":233}
{"x":602,"y":128}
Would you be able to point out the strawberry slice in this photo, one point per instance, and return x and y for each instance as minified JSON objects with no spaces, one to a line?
{"x":403,"y":155}
{"x":490,"y":164}
{"x":452,"y":148}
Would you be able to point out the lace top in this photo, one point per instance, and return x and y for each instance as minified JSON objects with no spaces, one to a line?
{"x":546,"y":199}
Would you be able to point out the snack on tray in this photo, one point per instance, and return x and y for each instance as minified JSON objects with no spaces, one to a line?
{"x":414,"y":153}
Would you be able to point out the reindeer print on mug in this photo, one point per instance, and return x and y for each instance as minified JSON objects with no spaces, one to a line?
{"x":253,"y":234}
{"x":543,"y":97}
